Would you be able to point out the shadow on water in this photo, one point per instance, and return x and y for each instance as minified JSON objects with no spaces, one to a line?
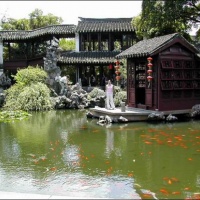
{"x":64,"y":153}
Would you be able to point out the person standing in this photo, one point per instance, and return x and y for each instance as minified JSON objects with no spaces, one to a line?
{"x":109,"y":96}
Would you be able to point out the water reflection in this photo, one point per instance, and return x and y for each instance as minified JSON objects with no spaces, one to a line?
{"x":63,"y":152}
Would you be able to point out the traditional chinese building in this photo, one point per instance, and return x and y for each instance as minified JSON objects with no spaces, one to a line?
{"x":23,"y":48}
{"x":98,"y":41}
{"x":162,"y":73}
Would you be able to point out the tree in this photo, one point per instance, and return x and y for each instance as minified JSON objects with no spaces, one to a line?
{"x":66,"y":45}
{"x":164,"y":17}
{"x":36,"y":20}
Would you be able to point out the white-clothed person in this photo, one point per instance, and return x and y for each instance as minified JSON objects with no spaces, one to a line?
{"x":109,"y":95}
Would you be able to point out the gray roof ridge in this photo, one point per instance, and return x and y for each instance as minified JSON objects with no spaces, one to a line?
{"x":85,"y":19}
{"x":37,"y":29}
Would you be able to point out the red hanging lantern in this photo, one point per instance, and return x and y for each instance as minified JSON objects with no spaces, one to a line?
{"x":149,"y":78}
{"x":149,"y":71}
{"x":117,"y":78}
{"x":149,"y":59}
{"x":117,"y":72}
{"x":117,"y":62}
{"x":149,"y":65}
{"x":110,"y":66}
{"x":117,"y":67}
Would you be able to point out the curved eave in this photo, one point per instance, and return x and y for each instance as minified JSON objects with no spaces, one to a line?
{"x":26,"y":35}
{"x":138,"y":55}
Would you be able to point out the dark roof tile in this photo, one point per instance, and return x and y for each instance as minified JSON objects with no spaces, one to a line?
{"x":149,"y":46}
{"x":23,"y":35}
{"x":84,"y":57}
{"x":104,"y":25}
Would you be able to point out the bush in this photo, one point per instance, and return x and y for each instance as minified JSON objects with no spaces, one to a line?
{"x":30,"y":98}
{"x":30,"y":75}
{"x":119,"y":97}
{"x":30,"y":93}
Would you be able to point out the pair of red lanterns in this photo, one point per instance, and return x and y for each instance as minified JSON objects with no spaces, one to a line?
{"x":117,"y":67}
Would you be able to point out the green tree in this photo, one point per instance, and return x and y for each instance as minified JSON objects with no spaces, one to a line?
{"x":164,"y":17}
{"x":66,"y":44}
{"x":36,"y":20}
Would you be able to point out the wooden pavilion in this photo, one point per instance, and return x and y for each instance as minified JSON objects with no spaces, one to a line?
{"x":163,"y":73}
{"x":24,"y":48}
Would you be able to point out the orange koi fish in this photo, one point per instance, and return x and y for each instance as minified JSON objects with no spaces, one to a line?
{"x":53,"y":169}
{"x":169,"y":181}
{"x":130,"y":175}
{"x":164,"y":191}
{"x":176,"y":192}
{"x":147,"y":142}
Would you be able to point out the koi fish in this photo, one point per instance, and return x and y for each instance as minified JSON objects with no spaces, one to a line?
{"x":164,"y":191}
{"x":169,"y":181}
{"x":147,"y":142}
{"x":53,"y":169}
{"x":130,"y":175}
{"x":146,"y":195}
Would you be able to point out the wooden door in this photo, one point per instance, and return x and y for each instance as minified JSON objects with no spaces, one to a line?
{"x":131,"y":83}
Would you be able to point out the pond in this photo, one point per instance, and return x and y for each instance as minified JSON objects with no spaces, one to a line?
{"x":64,"y":153}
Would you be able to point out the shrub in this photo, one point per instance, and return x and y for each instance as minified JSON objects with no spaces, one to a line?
{"x":35,"y":97}
{"x":120,"y":97}
{"x":30,"y":93}
{"x":30,"y":75}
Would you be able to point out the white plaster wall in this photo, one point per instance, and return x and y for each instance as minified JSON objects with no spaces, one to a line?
{"x":77,"y":42}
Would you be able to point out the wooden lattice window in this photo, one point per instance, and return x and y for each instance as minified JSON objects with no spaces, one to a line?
{"x":188,"y":74}
{"x":196,"y":84}
{"x":188,"y":85}
{"x":187,"y":64}
{"x":178,"y":74}
{"x":167,"y":85}
{"x":166,"y":64}
{"x":177,"y":64}
{"x":166,"y":74}
{"x":178,"y":85}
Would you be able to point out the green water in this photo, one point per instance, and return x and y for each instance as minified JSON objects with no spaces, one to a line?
{"x":64,"y":153}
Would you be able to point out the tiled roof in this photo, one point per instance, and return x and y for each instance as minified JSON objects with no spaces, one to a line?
{"x":87,"y":57}
{"x":104,"y":25}
{"x":149,"y":46}
{"x":54,"y":29}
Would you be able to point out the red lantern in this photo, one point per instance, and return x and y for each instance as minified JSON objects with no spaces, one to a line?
{"x":117,"y":62}
{"x":110,"y":66}
{"x":149,"y":59}
{"x":149,"y":71}
{"x":150,"y":65}
{"x":117,"y":72}
{"x":117,"y":67}
{"x":117,"y":78}
{"x":149,"y":78}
